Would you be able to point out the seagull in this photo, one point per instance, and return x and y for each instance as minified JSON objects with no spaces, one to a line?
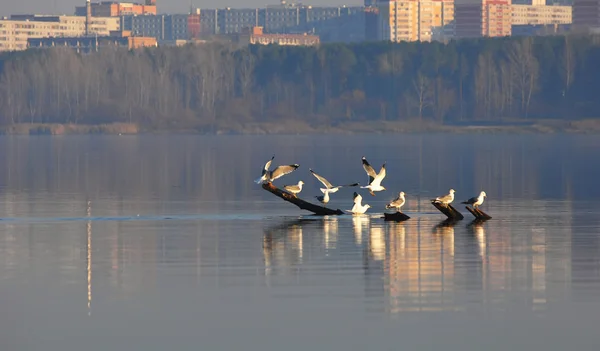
{"x":323,"y":199}
{"x":374,"y":178}
{"x":358,"y":208}
{"x":397,"y":203}
{"x":280,"y":171}
{"x":446,"y":199}
{"x":294,"y":189}
{"x":476,"y":201}
{"x":328,"y":187}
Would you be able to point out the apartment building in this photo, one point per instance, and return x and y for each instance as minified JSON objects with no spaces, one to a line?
{"x":115,"y":9}
{"x":482,"y":18}
{"x":255,"y":35}
{"x":335,"y":23}
{"x":541,"y":14}
{"x":15,"y":32}
{"x":415,"y":20}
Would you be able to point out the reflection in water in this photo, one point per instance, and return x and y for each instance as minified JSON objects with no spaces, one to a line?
{"x":359,"y":223}
{"x":540,"y":252}
{"x":283,"y":245}
{"x":89,"y":259}
{"x":377,"y":243}
{"x":330,"y":231}
{"x":477,"y":230}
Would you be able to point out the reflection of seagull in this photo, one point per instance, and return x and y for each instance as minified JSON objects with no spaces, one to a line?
{"x":358,"y":222}
{"x":397,"y":203}
{"x":446,"y":199}
{"x":358,"y":208}
{"x":294,"y":189}
{"x":269,"y":176}
{"x":476,"y":201}
{"x":374,"y":178}
{"x":328,"y":187}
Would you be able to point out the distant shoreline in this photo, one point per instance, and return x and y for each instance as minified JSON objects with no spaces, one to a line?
{"x":293,"y":127}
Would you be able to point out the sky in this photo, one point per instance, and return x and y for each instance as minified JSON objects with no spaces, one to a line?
{"x":8,"y":7}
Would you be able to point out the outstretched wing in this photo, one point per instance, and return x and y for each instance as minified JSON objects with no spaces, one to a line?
{"x":369,"y":169}
{"x":280,"y":171}
{"x":380,"y":176}
{"x":322,"y":180}
{"x":348,"y":185}
{"x":357,"y":198}
{"x":267,"y":165}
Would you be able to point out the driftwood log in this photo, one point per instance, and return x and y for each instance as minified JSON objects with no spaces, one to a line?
{"x":396,"y":216}
{"x":304,"y":205}
{"x":479,"y":214}
{"x":449,"y":211}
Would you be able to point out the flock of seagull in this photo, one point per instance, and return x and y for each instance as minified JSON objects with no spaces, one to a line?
{"x":374,"y":185}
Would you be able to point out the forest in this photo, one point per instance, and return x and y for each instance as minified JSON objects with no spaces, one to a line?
{"x":215,"y":85}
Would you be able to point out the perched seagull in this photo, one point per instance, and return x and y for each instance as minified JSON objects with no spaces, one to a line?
{"x":294,"y":189}
{"x":476,"y":201}
{"x":323,"y":199}
{"x":374,"y":178}
{"x":269,"y":176}
{"x":397,"y":203}
{"x":358,"y":208}
{"x":446,"y":199}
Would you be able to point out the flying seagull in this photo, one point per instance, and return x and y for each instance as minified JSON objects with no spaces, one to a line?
{"x":397,"y":203}
{"x":294,"y":189}
{"x":476,"y":201}
{"x":328,"y":187}
{"x":446,"y":199}
{"x":280,"y":171}
{"x":358,"y":208}
{"x":374,"y":178}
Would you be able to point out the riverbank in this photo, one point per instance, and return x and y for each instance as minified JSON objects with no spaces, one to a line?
{"x":294,"y":127}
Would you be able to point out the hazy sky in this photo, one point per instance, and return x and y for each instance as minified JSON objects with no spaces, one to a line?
{"x":8,"y":7}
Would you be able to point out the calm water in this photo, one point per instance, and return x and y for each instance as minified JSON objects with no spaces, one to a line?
{"x":165,"y":243}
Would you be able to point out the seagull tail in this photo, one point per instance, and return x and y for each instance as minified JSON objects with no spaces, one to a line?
{"x":388,"y":206}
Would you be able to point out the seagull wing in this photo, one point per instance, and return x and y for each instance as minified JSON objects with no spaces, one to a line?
{"x":379,"y":178}
{"x":280,"y":171}
{"x":445,"y":198}
{"x":470,"y":201}
{"x":322,"y":180}
{"x":357,"y":198}
{"x":369,"y":169}
{"x":267,"y":165}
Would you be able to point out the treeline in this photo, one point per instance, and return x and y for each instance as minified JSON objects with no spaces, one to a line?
{"x":216,"y":85}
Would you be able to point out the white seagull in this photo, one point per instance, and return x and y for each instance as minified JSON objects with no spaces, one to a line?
{"x":374,"y":178}
{"x":328,"y":187}
{"x":324,"y":198}
{"x":280,"y":171}
{"x":446,"y":199}
{"x":476,"y":201}
{"x":294,"y":189}
{"x":358,"y":208}
{"x":397,"y":203}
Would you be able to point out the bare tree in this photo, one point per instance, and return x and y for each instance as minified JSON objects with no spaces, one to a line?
{"x":568,"y":64}
{"x":424,"y":93}
{"x":525,"y":69}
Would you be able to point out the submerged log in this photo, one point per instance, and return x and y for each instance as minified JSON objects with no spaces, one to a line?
{"x":304,"y":205}
{"x":479,"y":214}
{"x":396,"y":216}
{"x":449,"y":211}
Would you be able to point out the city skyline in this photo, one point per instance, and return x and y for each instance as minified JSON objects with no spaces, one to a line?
{"x":174,"y":6}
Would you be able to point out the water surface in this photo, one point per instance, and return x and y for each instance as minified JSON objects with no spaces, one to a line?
{"x":164,"y":243}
